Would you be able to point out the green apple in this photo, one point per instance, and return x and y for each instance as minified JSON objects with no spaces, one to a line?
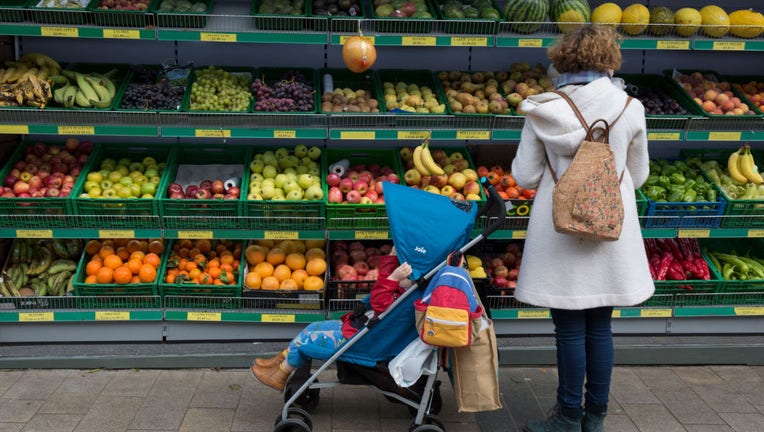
{"x":151,"y":172}
{"x":122,"y":169}
{"x":148,"y":188}
{"x":301,"y":150}
{"x":281,"y":152}
{"x":90,"y":184}
{"x":133,"y":174}
{"x":314,"y":193}
{"x":123,"y":191}
{"x":314,"y":171}
{"x":136,"y":166}
{"x":105,"y":173}
{"x":155,"y":180}
{"x":294,"y":195}
{"x":114,"y":176}
{"x":254,"y":196}
{"x":148,"y":160}
{"x":268,"y":182}
{"x":290,"y":171}
{"x":256,"y":166}
{"x":256,"y":178}
{"x":305,"y":180}
{"x":161,"y":166}
{"x":109,"y":193}
{"x":124,"y":161}
{"x":255,"y":189}
{"x":94,"y":192}
{"x":285,"y":162}
{"x":280,"y":180}
{"x":106,"y":184}
{"x":258,"y":157}
{"x":126,"y":180}
{"x":270,"y":159}
{"x":269,"y":171}
{"x":290,"y":186}
{"x":268,"y":191}
{"x":280,"y":193}
{"x":307,"y":161}
{"x":302,"y":169}
{"x":108,"y":164}
{"x":314,"y":152}
{"x":140,"y":179}
{"x":95,"y":176}
{"x":147,"y":196}
{"x":135,"y":189}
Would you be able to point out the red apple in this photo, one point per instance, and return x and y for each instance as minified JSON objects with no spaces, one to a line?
{"x":378,"y":188}
{"x":20,"y":165}
{"x":234,"y":191}
{"x":357,"y":255}
{"x":20,"y":187}
{"x":365,"y":176}
{"x":346,"y":185}
{"x":353,"y":196}
{"x":175,"y":187}
{"x":345,"y":271}
{"x":204,"y":194}
{"x":393,"y":178}
{"x":177,"y":195}
{"x":366,"y":200}
{"x":71,"y":144}
{"x":500,"y":282}
{"x":217,"y":187}
{"x":333,"y":179}
{"x":361,"y":186}
{"x":513,"y":274}
{"x":335,"y":195}
{"x":361,"y":267}
{"x":205,"y":184}
{"x":8,"y":195}
{"x":471,"y":187}
{"x":372,"y":195}
{"x":191,"y":191}
{"x":501,"y":271}
{"x":9,"y":181}
{"x":52,"y":192}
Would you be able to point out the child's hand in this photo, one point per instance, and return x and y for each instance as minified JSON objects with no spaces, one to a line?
{"x":401,"y":272}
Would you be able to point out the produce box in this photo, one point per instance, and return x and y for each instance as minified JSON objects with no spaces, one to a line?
{"x":145,"y":89}
{"x":739,"y":213}
{"x":472,"y":100}
{"x":113,"y":207}
{"x":684,"y":79}
{"x":391,"y":78}
{"x":342,"y":290}
{"x":371,"y":166}
{"x":40,"y":267}
{"x":275,"y":78}
{"x":194,"y":164}
{"x":242,"y":76}
{"x":44,"y":12}
{"x":469,"y":16}
{"x":261,"y":210}
{"x":13,"y":10}
{"x":745,"y":83}
{"x":122,"y":18}
{"x":341,"y":16}
{"x":495,"y":164}
{"x":666,"y":105}
{"x":40,"y":212}
{"x":168,"y":16}
{"x":117,"y":75}
{"x":494,"y":266}
{"x":737,"y":284}
{"x":120,"y":288}
{"x":444,"y":157}
{"x":179,"y":290}
{"x":285,"y":274}
{"x":337,"y":104}
{"x":420,"y":22}
{"x":281,"y":15}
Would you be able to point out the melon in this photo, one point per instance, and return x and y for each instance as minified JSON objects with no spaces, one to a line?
{"x":608,"y":14}
{"x":635,"y":19}
{"x":746,"y":23}
{"x":358,"y":53}
{"x":530,"y":12}
{"x":661,"y":20}
{"x":568,"y":13}
{"x":687,"y":20}
{"x":714,"y":21}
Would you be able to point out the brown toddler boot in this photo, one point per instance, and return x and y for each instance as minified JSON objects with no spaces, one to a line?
{"x":268,"y":362}
{"x":274,"y":377}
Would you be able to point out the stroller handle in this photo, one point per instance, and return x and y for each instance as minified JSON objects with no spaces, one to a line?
{"x":495,"y":209}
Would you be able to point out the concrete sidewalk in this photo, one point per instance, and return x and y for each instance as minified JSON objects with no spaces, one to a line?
{"x":644,"y":399}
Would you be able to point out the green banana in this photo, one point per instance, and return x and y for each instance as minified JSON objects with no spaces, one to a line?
{"x":58,"y":79}
{"x":107,"y":82}
{"x":61,"y":265}
{"x":100,"y":88}
{"x":85,"y":87}
{"x":40,"y":289}
{"x":81,"y":99}
{"x":3,"y":289}
{"x":100,"y":104}
{"x":16,"y":252}
{"x":44,"y":262}
{"x":59,"y":248}
{"x":58,"y":94}
{"x":69,"y":285}
{"x":69,"y":95}
{"x":74,"y":248}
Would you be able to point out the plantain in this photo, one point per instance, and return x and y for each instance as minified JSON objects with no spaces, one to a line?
{"x":73,"y":248}
{"x":58,"y":94}
{"x":16,"y":252}
{"x":58,"y":79}
{"x":4,"y":291}
{"x":69,"y":285}
{"x":59,"y":248}
{"x":107,"y":82}
{"x":62,"y":265}
{"x":69,"y":95}
{"x":44,"y":262}
{"x":6,"y":74}
{"x":80,"y":99}
{"x":85,"y":87}
{"x":100,"y":88}
{"x":40,"y":288}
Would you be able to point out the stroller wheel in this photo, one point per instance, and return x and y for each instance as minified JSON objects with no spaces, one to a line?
{"x":429,"y":423}
{"x":291,"y":425}
{"x":297,"y":414}
{"x":307,"y":401}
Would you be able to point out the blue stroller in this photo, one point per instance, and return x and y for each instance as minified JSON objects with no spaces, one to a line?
{"x":426,"y":229}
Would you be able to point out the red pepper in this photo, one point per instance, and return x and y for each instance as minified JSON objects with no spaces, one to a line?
{"x":664,"y":266}
{"x":675,"y":271}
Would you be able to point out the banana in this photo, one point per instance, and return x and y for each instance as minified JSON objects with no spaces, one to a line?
{"x":58,"y":79}
{"x":416,"y":156}
{"x":80,"y":98}
{"x":100,"y":88}
{"x":40,"y":60}
{"x":45,"y":259}
{"x":69,"y":95}
{"x":58,"y":94}
{"x":43,"y":73}
{"x":85,"y":87}
{"x":748,"y":167}
{"x":429,"y":163}
{"x":7,"y":72}
{"x":733,"y":166}
{"x":107,"y":82}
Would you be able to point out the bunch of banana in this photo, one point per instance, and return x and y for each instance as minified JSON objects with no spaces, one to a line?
{"x":46,"y":267}
{"x":742,"y":167}
{"x":37,"y":64}
{"x":423,"y":161}
{"x":90,"y":90}
{"x":27,"y":91}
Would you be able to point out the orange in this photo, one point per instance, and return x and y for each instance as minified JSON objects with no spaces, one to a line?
{"x":97,"y":258}
{"x":91,"y":279}
{"x":214,"y":272}
{"x":106,"y":251}
{"x":275,"y":256}
{"x":282,"y":272}
{"x":299,"y":276}
{"x":169,"y":279}
{"x":122,"y":253}
{"x":226,"y":258}
{"x":185,"y":243}
{"x":137,"y":255}
{"x":264,"y":269}
{"x":105,"y":275}
{"x":253,"y":280}
{"x":183,"y":252}
{"x":122,"y":275}
{"x":156,"y":246}
{"x":316,"y":267}
{"x":92,"y":267}
{"x":135,"y":280}
{"x":134,"y":265}
{"x":204,"y":245}
{"x":195,"y":273}
{"x":92,"y":247}
{"x":315,"y":253}
{"x":295,"y":261}
{"x":313,"y":283}
{"x":133,"y":246}
{"x":205,"y":279}
{"x":288,"y":284}
{"x":147,"y":273}
{"x":255,"y":254}
{"x":153,"y":259}
{"x":270,"y":283}
{"x":312,"y":244}
{"x":112,"y":261}
{"x":268,"y":244}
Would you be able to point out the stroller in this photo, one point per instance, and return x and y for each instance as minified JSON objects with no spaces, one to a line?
{"x":415,"y":216}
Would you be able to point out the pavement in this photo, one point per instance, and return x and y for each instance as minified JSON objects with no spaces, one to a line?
{"x":643,"y":399}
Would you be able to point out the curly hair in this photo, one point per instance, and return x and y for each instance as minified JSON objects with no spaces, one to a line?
{"x":590,"y":47}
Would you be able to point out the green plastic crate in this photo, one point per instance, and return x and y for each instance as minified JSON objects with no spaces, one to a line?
{"x":204,"y":213}
{"x":272,"y":75}
{"x":343,"y":78}
{"x":738,"y":213}
{"x":450,"y":151}
{"x":661,"y":84}
{"x":13,"y":10}
{"x":123,"y":213}
{"x":422,"y":78}
{"x":122,"y":18}
{"x":141,"y":295}
{"x":283,"y":214}
{"x":62,"y":16}
{"x":742,"y":288}
{"x":360,"y":216}
{"x":246,"y":72}
{"x":692,"y":292}
{"x":338,"y":23}
{"x":183,"y":19}
{"x":280,"y":21}
{"x":187,"y":295}
{"x":477,"y":25}
{"x":38,"y":213}
{"x":388,"y":24}
{"x":133,"y":77}
{"x":757,"y":114}
{"x":641,"y":202}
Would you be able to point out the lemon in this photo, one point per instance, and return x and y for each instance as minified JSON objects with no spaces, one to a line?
{"x":688,"y":20}
{"x":746,"y":23}
{"x":635,"y":19}
{"x":607,"y":13}
{"x":715,"y":21}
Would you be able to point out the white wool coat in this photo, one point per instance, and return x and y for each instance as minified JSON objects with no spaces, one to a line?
{"x":560,"y":270}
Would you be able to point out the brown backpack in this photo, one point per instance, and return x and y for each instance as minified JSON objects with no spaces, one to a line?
{"x":586,"y":201}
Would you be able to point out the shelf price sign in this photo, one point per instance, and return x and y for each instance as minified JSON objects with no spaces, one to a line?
{"x":277,"y":318}
{"x":418,"y":40}
{"x":60,"y":32}
{"x":218,"y":37}
{"x":203,"y":316}
{"x":121,"y":34}
{"x":35,"y":316}
{"x":14,"y":129}
{"x":112,"y":316}
{"x":76,"y":130}
{"x":469,"y":41}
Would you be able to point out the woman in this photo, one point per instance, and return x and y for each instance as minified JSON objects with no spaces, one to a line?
{"x":581,"y":280}
{"x":322,"y":339}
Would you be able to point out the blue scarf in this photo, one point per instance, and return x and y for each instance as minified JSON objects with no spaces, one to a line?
{"x":578,"y":78}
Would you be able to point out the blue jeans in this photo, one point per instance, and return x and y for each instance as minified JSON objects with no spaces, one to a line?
{"x":319,"y":340}
{"x":584,"y":350}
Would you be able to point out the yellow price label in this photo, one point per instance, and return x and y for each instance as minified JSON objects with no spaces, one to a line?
{"x":664,"y":136}
{"x":116,"y":234}
{"x":533,"y":314}
{"x":530,"y":43}
{"x":22,"y":233}
{"x":371,"y":235}
{"x":277,"y":318}
{"x":655,"y":313}
{"x":473,"y":134}
{"x":284,"y":134}
{"x":281,"y":235}
{"x":121,"y":34}
{"x":673,"y":45}
{"x":218,"y":37}
{"x":60,"y":31}
{"x":616,"y":313}
{"x":728,"y":46}
{"x":112,"y":316}
{"x":76,"y":130}
{"x":418,"y":40}
{"x":755,"y":233}
{"x":724,"y":136}
{"x":212,"y":133}
{"x":469,"y":41}
{"x":693,"y":233}
{"x":358,"y":135}
{"x":749,"y":310}
{"x":35,"y":316}
{"x":203,"y":316}
{"x":14,"y":129}
{"x":519,"y":234}
{"x":194,"y":235}
{"x":344,"y":39}
{"x":417,"y":135}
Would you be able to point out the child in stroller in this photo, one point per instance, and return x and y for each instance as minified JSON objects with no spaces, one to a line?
{"x":322,"y":339}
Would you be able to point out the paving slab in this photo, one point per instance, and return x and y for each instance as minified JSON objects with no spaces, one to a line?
{"x":220,"y":389}
{"x":18,"y":410}
{"x":131,"y":382}
{"x":723,"y":398}
{"x":688,"y":407}
{"x":698,"y":375}
{"x":660,"y":378}
{"x":37,"y":384}
{"x":652,"y":418}
{"x":744,"y":422}
{"x":11,"y":427}
{"x":207,"y":420}
{"x":627,"y":388}
{"x":168,"y":400}
{"x":619,"y":423}
{"x":52,"y":423}
{"x":110,"y":413}
{"x":8,"y":378}
{"x":69,"y":403}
